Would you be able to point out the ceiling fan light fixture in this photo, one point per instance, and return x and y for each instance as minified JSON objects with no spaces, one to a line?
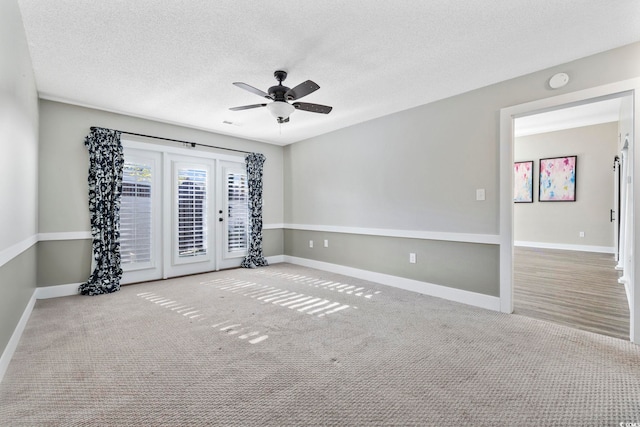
{"x":279,"y":94}
{"x":280,"y":110}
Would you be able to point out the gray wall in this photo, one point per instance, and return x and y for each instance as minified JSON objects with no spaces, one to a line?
{"x":438,"y":261}
{"x":561,"y":222}
{"x":64,"y":262}
{"x":419,"y":169}
{"x":273,"y":242}
{"x":63,"y":196}
{"x":18,"y":170}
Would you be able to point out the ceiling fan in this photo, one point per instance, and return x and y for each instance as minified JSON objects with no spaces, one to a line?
{"x":281,"y":95}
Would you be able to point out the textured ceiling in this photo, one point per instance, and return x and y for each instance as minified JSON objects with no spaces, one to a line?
{"x":175,"y":61}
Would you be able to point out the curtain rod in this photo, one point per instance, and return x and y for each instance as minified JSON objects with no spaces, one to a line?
{"x":193,"y":144}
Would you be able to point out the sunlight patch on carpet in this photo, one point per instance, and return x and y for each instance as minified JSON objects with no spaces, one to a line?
{"x":191,"y":312}
{"x":320,"y":283}
{"x":282,"y":297}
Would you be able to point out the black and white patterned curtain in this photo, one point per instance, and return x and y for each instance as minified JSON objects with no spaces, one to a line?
{"x":106,"y":160}
{"x":255,"y":258}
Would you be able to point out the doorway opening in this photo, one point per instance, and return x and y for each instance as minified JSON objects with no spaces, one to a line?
{"x":627,"y":92}
{"x":565,"y":238}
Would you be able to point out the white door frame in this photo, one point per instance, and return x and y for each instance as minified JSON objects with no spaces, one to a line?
{"x":507,"y":116}
{"x":169,"y":153}
{"x":617,"y":203}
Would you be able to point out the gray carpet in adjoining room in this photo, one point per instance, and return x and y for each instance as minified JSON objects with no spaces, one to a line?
{"x":287,"y":345}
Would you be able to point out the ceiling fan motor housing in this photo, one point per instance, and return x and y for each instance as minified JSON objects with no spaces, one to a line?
{"x":278,"y":92}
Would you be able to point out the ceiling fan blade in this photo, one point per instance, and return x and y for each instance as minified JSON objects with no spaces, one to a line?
{"x":252,"y":90}
{"x":303,"y":89}
{"x":247,"y":107}
{"x":313,"y":108}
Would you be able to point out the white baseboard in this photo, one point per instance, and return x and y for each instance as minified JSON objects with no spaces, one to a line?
{"x":275,"y":259}
{"x":7,"y":354}
{"x":39,"y":293}
{"x":465,"y":297}
{"x":566,"y":247}
{"x":56,"y":291}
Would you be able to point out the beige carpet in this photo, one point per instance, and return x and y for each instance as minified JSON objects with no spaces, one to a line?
{"x":286,"y":345}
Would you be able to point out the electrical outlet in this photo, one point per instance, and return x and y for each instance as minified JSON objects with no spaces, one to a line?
{"x":480,"y":194}
{"x":326,"y":243}
{"x":310,"y":243}
{"x":582,"y":234}
{"x":412,"y":258}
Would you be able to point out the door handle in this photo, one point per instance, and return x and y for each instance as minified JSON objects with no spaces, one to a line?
{"x":611,"y":216}
{"x":220,"y":219}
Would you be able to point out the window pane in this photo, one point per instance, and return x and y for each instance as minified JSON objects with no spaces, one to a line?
{"x":135,"y":213}
{"x":238,"y":214}
{"x":192,"y":212}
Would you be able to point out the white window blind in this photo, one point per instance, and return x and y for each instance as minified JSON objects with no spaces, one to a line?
{"x":238,"y":211}
{"x":135,"y":214}
{"x":192,"y":212}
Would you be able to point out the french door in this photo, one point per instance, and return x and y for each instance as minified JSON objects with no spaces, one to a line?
{"x":181,"y":214}
{"x":191,"y":245}
{"x":233,"y":214}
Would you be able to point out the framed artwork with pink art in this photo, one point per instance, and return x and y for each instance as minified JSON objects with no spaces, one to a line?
{"x":558,"y":179}
{"x":523,"y":182}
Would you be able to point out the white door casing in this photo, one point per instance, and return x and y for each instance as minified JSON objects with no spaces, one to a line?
{"x":625,"y":88}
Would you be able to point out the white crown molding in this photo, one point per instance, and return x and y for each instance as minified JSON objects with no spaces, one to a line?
{"x":61,"y":100}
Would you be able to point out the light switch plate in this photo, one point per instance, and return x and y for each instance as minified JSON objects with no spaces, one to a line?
{"x":480,"y":194}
